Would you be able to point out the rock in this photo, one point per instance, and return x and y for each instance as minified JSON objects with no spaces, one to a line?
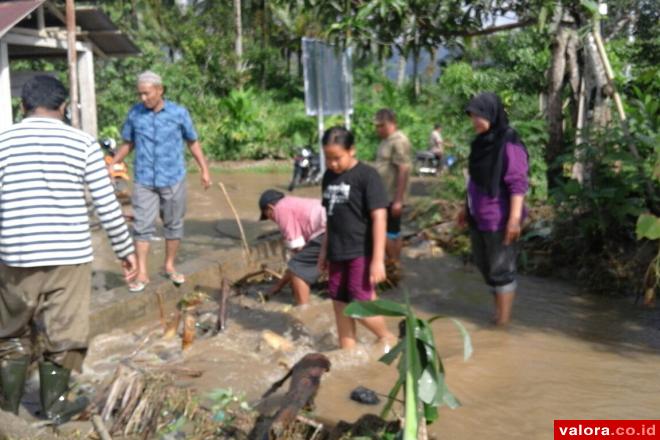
{"x":424,"y":249}
{"x":14,"y":428}
{"x":365,"y":395}
{"x":276,"y":342}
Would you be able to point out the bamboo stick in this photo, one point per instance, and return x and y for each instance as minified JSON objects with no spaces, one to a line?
{"x":238,"y":221}
{"x":100,"y":428}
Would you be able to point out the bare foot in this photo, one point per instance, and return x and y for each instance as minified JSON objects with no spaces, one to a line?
{"x":387,"y":343}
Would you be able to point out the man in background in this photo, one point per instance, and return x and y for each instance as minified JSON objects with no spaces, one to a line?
{"x":393,"y":163}
{"x":157,"y":129}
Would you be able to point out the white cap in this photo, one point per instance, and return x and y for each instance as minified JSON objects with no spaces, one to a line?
{"x":150,"y":77}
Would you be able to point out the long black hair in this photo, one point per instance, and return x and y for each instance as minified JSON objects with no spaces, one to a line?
{"x":486,"y":162}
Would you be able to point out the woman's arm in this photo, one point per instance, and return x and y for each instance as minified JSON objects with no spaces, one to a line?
{"x":378,"y":229}
{"x":516,"y":181}
{"x":513,"y":226}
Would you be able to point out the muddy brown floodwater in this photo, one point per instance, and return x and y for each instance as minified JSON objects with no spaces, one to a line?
{"x":568,"y":354}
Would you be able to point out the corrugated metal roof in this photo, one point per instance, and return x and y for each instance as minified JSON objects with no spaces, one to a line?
{"x":104,"y":33}
{"x":11,"y":12}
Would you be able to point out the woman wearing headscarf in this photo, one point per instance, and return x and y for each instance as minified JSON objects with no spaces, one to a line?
{"x":498,"y":182}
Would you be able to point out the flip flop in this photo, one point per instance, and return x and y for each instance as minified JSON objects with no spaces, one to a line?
{"x":176,"y":277}
{"x":136,"y":286}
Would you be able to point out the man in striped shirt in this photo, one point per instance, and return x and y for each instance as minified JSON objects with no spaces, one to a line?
{"x":45,"y":245}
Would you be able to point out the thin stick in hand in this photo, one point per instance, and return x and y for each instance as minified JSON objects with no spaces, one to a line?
{"x":238,"y":221}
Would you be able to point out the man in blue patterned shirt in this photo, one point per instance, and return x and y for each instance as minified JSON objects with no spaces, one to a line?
{"x":157,"y":130}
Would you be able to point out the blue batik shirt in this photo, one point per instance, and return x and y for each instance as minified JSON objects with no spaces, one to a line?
{"x":158,"y":139}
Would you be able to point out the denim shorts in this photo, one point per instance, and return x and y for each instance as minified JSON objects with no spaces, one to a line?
{"x":495,"y":260}
{"x":393,"y":225}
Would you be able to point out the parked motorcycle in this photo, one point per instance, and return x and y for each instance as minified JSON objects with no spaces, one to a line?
{"x":428,"y":163}
{"x":306,"y":168}
{"x":119,"y":171}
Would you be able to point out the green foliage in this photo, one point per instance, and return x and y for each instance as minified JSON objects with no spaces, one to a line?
{"x":421,"y":372}
{"x":648,"y":226}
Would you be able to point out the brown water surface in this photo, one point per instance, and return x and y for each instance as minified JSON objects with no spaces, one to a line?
{"x":567,"y":355}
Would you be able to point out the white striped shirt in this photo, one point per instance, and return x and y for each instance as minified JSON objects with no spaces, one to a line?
{"x":45,"y":166}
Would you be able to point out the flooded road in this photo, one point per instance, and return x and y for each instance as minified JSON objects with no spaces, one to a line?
{"x":567,"y":354}
{"x":209,"y":223}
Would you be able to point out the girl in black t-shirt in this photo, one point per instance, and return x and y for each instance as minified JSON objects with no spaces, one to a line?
{"x":354,"y":247}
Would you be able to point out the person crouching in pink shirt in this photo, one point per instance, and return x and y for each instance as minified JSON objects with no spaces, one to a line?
{"x":302,"y":224}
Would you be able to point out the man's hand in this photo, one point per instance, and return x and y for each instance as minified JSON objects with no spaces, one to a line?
{"x":512,"y":232}
{"x":322,"y":264}
{"x":130,"y":267}
{"x":206,"y":180}
{"x":396,"y":209}
{"x":377,"y":271}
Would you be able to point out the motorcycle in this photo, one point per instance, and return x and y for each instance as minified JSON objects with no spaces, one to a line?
{"x":306,"y":168}
{"x":428,"y":163}
{"x":119,"y":171}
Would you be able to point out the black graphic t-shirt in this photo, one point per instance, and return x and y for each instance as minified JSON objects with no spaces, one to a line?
{"x":348,"y":199}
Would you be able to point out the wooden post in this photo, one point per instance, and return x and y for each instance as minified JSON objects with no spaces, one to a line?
{"x":72,"y":57}
{"x":6,"y":118}
{"x":87,"y":91}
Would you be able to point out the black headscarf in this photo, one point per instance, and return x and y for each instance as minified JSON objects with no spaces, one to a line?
{"x":486,"y":161}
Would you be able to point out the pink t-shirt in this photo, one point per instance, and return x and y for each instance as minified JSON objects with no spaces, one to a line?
{"x":299,"y":219}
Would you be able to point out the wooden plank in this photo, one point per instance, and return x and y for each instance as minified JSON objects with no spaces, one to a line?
{"x":6,"y":117}
{"x":87,"y":89}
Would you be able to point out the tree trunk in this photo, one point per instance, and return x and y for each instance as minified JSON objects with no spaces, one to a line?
{"x":416,"y":77}
{"x":265,"y":39}
{"x":239,"y":39}
{"x":401,"y":68}
{"x":561,"y":60}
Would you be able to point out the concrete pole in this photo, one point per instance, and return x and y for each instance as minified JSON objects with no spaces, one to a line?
{"x":87,"y":92}
{"x":6,"y":117}
{"x":318,"y":49}
{"x":72,"y":58}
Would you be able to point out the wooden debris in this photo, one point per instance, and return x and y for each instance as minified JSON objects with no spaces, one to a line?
{"x":305,"y":381}
{"x":172,"y":326}
{"x":263,"y":271}
{"x":161,"y":309}
{"x":100,"y":428}
{"x":225,"y":293}
{"x":189,"y":322}
{"x":318,"y":427}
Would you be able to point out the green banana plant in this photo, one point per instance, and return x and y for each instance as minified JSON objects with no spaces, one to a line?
{"x":421,"y":372}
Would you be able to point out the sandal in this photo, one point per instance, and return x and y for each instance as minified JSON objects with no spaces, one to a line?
{"x":175,"y":277}
{"x":137,"y":286}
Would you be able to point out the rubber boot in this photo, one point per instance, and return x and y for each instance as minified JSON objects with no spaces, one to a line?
{"x":54,"y":386}
{"x":12,"y":381}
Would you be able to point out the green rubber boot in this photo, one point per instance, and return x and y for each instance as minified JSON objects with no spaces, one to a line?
{"x":54,"y":382}
{"x":12,"y":381}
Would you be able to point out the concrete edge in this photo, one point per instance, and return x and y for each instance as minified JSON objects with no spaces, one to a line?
{"x":120,"y":308}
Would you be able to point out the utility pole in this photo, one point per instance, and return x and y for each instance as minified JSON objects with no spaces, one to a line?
{"x":73,"y":61}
